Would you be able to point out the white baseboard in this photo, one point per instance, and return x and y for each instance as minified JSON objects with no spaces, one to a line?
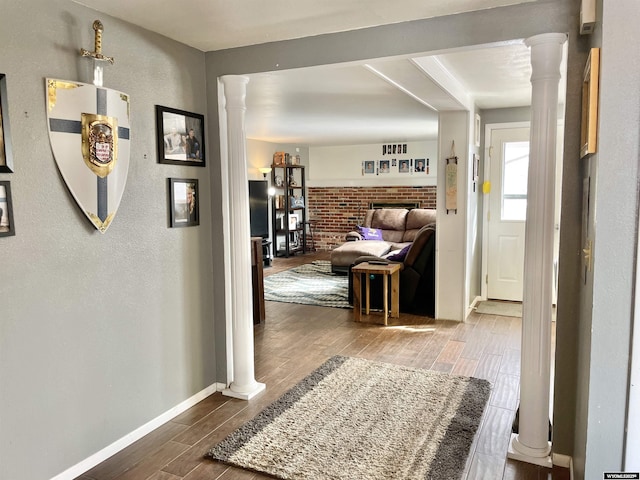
{"x":473,"y":305}
{"x":137,"y":434}
{"x":221,"y":386}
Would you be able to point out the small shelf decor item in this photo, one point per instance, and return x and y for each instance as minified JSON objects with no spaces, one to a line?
{"x":297,"y":201}
{"x":280,"y":158}
{"x":6,"y":153}
{"x":589,"y":122}
{"x":6,"y":210}
{"x":184,"y":206}
{"x":180,"y":137}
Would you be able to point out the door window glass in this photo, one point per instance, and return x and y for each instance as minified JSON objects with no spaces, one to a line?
{"x":514,"y":181}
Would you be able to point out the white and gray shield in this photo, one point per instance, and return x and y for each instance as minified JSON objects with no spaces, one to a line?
{"x":89,"y":134}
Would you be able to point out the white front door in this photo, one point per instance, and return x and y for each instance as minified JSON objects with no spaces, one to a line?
{"x":509,"y":165}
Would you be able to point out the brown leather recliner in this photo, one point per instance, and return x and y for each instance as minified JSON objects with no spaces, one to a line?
{"x":417,"y":277}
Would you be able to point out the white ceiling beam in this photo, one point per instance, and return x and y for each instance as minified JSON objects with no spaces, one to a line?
{"x":438,"y":73}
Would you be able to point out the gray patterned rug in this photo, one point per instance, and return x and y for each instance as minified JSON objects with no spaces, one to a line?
{"x":358,"y":419}
{"x":310,"y":284}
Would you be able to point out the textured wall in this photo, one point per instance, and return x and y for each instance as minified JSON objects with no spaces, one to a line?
{"x":98,"y":333}
{"x":616,"y":211}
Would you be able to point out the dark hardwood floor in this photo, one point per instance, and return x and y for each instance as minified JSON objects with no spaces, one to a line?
{"x":295,"y":339}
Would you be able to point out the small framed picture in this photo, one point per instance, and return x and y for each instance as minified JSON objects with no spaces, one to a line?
{"x":384,"y":166}
{"x":369,"y":166}
{"x":6,"y":154}
{"x":6,"y":210}
{"x":294,"y":221}
{"x":404,"y":166}
{"x":420,"y":165}
{"x":180,"y":137}
{"x":184,"y":208}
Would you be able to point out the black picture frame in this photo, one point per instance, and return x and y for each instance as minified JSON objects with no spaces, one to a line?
{"x":6,"y":151}
{"x":173,"y":131}
{"x":184,"y":203}
{"x":7,"y":228}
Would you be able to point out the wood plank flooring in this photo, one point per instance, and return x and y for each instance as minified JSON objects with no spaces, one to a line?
{"x":296,"y":339}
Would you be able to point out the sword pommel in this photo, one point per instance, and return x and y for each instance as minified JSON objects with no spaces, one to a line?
{"x":97,"y":54}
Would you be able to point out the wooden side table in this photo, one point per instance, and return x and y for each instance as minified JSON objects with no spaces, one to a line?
{"x":387,"y":271}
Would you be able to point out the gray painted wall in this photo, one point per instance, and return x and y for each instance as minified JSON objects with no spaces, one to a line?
{"x":98,"y":333}
{"x":616,"y":211}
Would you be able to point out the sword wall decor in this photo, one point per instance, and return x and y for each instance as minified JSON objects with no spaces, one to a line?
{"x":89,"y":134}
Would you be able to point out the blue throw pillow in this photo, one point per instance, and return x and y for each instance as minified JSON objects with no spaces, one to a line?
{"x":371,"y":233}
{"x":400,"y":256}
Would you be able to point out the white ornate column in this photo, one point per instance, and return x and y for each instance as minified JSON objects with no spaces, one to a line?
{"x":244,"y":385}
{"x":531,"y":444}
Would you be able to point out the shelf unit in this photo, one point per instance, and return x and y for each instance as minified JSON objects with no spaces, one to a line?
{"x":289,"y":217}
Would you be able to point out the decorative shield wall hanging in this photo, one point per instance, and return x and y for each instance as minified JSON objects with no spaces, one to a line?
{"x":89,"y":134}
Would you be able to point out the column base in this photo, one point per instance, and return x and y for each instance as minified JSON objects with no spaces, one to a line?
{"x":522,"y":453}
{"x":258,"y":388}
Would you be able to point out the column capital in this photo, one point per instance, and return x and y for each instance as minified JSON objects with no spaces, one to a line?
{"x":546,"y":38}
{"x":546,"y":55}
{"x":235,"y":90}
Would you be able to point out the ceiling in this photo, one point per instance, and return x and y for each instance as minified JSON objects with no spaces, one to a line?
{"x":381,"y":101}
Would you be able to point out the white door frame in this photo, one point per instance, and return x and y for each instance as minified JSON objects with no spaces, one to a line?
{"x":488,"y":130}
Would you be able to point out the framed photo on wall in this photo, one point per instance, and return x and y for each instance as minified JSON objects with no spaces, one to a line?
{"x":184,"y":207}
{"x":180,"y":137}
{"x":368,"y":167}
{"x":404,"y":166}
{"x":6,"y":153}
{"x":6,"y":210}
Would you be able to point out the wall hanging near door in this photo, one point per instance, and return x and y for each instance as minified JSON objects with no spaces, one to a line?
{"x":451,"y":183}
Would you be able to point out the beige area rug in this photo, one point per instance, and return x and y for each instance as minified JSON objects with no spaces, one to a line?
{"x":358,"y":419}
{"x":505,"y":309}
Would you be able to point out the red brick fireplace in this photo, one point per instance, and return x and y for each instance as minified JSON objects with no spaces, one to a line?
{"x":338,"y":210}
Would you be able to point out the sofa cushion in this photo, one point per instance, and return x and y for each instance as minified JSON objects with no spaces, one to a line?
{"x":345,"y":254}
{"x":416,"y":219}
{"x":391,"y":221}
{"x":389,"y":218}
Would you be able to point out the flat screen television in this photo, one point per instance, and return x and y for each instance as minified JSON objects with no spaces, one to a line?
{"x":259,"y":208}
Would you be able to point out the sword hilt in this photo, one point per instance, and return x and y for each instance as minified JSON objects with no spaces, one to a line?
{"x":97,"y":26}
{"x":97,"y":54}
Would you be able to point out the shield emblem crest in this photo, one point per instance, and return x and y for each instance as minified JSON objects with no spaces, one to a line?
{"x":89,"y":135}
